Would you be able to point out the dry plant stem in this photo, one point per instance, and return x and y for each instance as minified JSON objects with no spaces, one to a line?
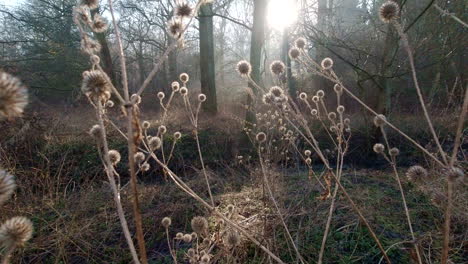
{"x":203,"y":167}
{"x":446,"y":13}
{"x":448,"y":214}
{"x":461,"y":121}
{"x":130,"y":141}
{"x":116,"y":193}
{"x":174,"y":257}
{"x":405,"y":41}
{"x":265,"y":180}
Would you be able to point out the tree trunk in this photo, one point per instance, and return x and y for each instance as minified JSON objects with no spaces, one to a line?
{"x":207,"y":61}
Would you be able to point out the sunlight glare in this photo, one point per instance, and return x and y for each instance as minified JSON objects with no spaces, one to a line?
{"x":282,"y":13}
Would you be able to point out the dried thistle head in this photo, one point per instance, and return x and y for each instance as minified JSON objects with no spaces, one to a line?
{"x":161,"y":95}
{"x":199,"y":225}
{"x":300,"y":43}
{"x":205,"y":259}
{"x":7,"y":186}
{"x":184,"y":78}
{"x":268,"y":98}
{"x":96,"y":131}
{"x":96,"y":85}
{"x":145,"y":167}
{"x":183,"y":9}
{"x":379,"y":148}
{"x":154,"y":143}
{"x":175,"y":28}
{"x":90,"y":46}
{"x":139,"y":157}
{"x":99,"y":24}
{"x":389,"y":11}
{"x":179,"y":236}
{"x":332,"y":115}
{"x":15,"y":232}
{"x":109,"y":104}
{"x":135,"y":99}
{"x":146,"y":124}
{"x":187,"y":238}
{"x":175,"y":86}
{"x":394,"y":152}
{"x":166,"y":222}
{"x":276,"y":91}
{"x":114,"y":156}
{"x":327,"y":63}
{"x":338,"y":89}
{"x":455,"y":174}
{"x":232,"y":238}
{"x":201,"y":98}
{"x":416,"y":174}
{"x":277,"y":67}
{"x":303,"y":96}
{"x":244,"y":68}
{"x":379,"y":120}
{"x":294,"y":53}
{"x":184,"y":91}
{"x":307,"y":153}
{"x":162,"y":129}
{"x":261,"y":137}
{"x":13,"y":96}
{"x":95,"y":60}
{"x":91,"y":4}
{"x":340,"y":109}
{"x":320,"y":94}
{"x":177,"y":135}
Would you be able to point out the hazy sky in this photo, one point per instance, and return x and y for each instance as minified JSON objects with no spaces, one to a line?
{"x":10,"y":2}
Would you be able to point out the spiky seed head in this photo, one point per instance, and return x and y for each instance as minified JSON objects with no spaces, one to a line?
{"x":300,"y":43}
{"x":320,"y":94}
{"x":232,"y":238}
{"x":139,"y":157}
{"x":194,"y":235}
{"x":183,"y":91}
{"x":114,"y":156}
{"x":394,"y":152}
{"x":455,"y":174}
{"x":146,"y":124}
{"x":109,"y":104}
{"x":7,"y":186}
{"x":205,"y":259}
{"x":145,"y":167}
{"x":389,"y":11}
{"x":191,"y":252}
{"x":308,"y":161}
{"x":187,"y":238}
{"x":161,"y":95}
{"x":96,"y":85}
{"x":327,"y":63}
{"x":15,"y":232}
{"x":162,"y":129}
{"x":206,"y":242}
{"x":201,"y":98}
{"x":177,"y":135}
{"x":347,"y":121}
{"x":303,"y":96}
{"x":314,"y":112}
{"x":183,"y":9}
{"x":268,"y":98}
{"x":340,"y":109}
{"x":416,"y":174}
{"x":184,"y":78}
{"x":179,"y":236}
{"x":135,"y":99}
{"x":230,"y":207}
{"x":95,"y":131}
{"x":91,"y":4}
{"x":244,"y":68}
{"x":379,"y":148}
{"x":332,"y":115}
{"x":82,"y":13}
{"x":166,"y":222}
{"x":315,"y":99}
{"x":175,"y":86}
{"x":276,"y":91}
{"x":338,"y":89}
{"x":99,"y":24}
{"x":90,"y":46}
{"x":261,"y":137}
{"x":277,"y":67}
{"x":95,"y":59}
{"x":199,"y":224}
{"x":379,"y":120}
{"x":175,"y":28}
{"x":154,"y":143}
{"x":307,"y":153}
{"x":294,"y":53}
{"x":13,"y":96}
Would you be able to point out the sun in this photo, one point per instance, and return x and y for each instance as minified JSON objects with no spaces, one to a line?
{"x":281,"y":13}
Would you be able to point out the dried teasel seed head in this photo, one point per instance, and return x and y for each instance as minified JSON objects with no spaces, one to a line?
{"x":161,"y":95}
{"x":307,"y":153}
{"x":455,"y":174}
{"x":327,"y":63}
{"x":114,"y":156}
{"x":394,"y":152}
{"x":261,"y":137}
{"x":205,"y":259}
{"x":277,"y":67}
{"x":166,"y":222}
{"x":146,"y":124}
{"x":109,"y":104}
{"x":244,"y":68}
{"x":162,"y":129}
{"x":175,"y":28}
{"x":91,"y":4}
{"x":379,"y":148}
{"x":95,"y":59}
{"x":179,"y":236}
{"x":15,"y":232}
{"x":338,"y":89}
{"x":145,"y":167}
{"x":276,"y":91}
{"x":268,"y":98}
{"x":340,"y":109}
{"x":320,"y":94}
{"x":96,"y":85}
{"x":199,"y":224}
{"x":315,"y":99}
{"x":314,"y":112}
{"x":194,"y":235}
{"x":389,"y":11}
{"x":95,"y":131}
{"x":206,"y":242}
{"x":183,"y":9}
{"x":232,"y":238}
{"x":294,"y":53}
{"x":183,"y":91}
{"x":90,"y":46}
{"x":416,"y":174}
{"x":139,"y":157}
{"x":191,"y":252}
{"x":99,"y":24}
{"x":303,"y":96}
{"x":332,"y":115}
{"x":187,"y":238}
{"x":347,"y":121}
{"x":13,"y":96}
{"x":177,"y":135}
{"x":154,"y":143}
{"x":379,"y":120}
{"x":135,"y":99}
{"x":175,"y":86}
{"x":201,"y":98}
{"x":184,"y":78}
{"x":300,"y":43}
{"x":7,"y":186}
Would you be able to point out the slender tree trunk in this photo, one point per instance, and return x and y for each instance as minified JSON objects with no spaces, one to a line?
{"x":287,"y":61}
{"x":207,"y":61}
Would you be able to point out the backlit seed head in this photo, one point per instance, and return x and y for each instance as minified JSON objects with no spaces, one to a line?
{"x":90,"y":46}
{"x":394,"y":152}
{"x":95,"y":131}
{"x":300,"y":43}
{"x":340,"y":109}
{"x":13,"y":96}
{"x":244,"y":68}
{"x":146,"y":124}
{"x":175,"y":87}
{"x":315,"y":99}
{"x":379,"y":148}
{"x":154,"y":143}
{"x":177,"y":135}
{"x":95,"y":59}
{"x":114,"y":156}
{"x":139,"y":157}
{"x":332,"y":115}
{"x":347,"y":121}
{"x":416,"y":174}
{"x":15,"y":232}
{"x":307,"y":153}
{"x":96,"y":85}
{"x":191,"y":252}
{"x":314,"y":112}
{"x":109,"y":104}
{"x":135,"y":99}
{"x":232,"y":238}
{"x":162,"y":130}
{"x":194,"y":235}
{"x":166,"y":222}
{"x":261,"y":137}
{"x":183,"y":91}
{"x":455,"y":174}
{"x":277,"y":67}
{"x":294,"y":53}
{"x":7,"y":186}
{"x":276,"y":91}
{"x":187,"y":238}
{"x":268,"y":98}
{"x":379,"y":120}
{"x":183,"y":9}
{"x":230,"y":207}
{"x":303,"y":96}
{"x":184,"y":78}
{"x":338,"y":89}
{"x":145,"y":167}
{"x":199,"y":224}
{"x":327,"y":63}
{"x":205,"y":259}
{"x":201,"y":98}
{"x":99,"y":24}
{"x":175,"y":28}
{"x":161,"y":95}
{"x":320,"y":94}
{"x":179,"y":236}
{"x":308,"y":161}
{"x":389,"y":11}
